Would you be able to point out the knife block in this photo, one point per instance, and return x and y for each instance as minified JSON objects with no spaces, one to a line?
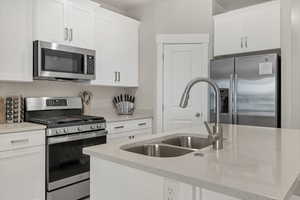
{"x":125,"y":108}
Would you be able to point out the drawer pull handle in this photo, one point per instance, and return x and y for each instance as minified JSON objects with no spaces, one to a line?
{"x":143,"y":124}
{"x":118,"y":127}
{"x":19,"y":141}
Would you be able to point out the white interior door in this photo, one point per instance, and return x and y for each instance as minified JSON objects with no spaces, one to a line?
{"x":182,"y":63}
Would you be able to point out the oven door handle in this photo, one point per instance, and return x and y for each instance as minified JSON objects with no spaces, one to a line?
{"x":82,"y":136}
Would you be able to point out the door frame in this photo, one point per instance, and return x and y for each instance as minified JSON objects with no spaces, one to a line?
{"x":161,"y":41}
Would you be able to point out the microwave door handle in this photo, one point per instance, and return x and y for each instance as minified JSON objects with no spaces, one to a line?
{"x":71,"y":35}
{"x":66,"y":34}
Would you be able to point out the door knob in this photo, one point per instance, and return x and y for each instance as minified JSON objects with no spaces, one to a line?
{"x":198,"y":115}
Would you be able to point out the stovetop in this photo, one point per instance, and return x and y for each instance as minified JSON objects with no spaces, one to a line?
{"x":66,"y":120}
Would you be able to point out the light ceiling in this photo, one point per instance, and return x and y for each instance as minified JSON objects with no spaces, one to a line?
{"x":123,"y":4}
{"x":235,"y":4}
{"x":226,"y":4}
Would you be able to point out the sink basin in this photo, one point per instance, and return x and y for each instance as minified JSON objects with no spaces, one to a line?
{"x":192,"y":142}
{"x":158,"y":150}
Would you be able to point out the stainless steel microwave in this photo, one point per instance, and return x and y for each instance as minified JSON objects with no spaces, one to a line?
{"x":53,"y":61}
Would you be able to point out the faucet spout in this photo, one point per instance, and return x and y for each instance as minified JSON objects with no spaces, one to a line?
{"x":216,"y":135}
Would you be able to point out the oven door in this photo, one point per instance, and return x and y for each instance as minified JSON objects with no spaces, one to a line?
{"x":54,"y":61}
{"x":66,"y":163}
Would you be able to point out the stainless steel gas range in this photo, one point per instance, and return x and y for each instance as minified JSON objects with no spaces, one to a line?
{"x":68,"y":132}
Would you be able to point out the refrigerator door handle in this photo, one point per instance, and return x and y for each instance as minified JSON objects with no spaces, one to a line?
{"x":235,"y":120}
{"x":231,"y":98}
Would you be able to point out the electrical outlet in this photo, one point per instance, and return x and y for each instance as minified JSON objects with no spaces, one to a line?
{"x":171,"y":190}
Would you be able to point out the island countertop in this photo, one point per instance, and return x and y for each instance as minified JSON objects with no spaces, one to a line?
{"x":256,"y":163}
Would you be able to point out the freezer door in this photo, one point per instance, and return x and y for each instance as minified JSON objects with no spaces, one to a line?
{"x":222,"y":72}
{"x":256,"y":98}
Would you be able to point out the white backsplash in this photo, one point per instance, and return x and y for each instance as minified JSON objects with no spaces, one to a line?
{"x":102,"y":95}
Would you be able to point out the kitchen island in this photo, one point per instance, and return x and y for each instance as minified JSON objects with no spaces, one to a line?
{"x":255,"y":164}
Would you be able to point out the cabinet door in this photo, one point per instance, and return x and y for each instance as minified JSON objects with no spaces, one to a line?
{"x":128,"y":51}
{"x":22,"y":174}
{"x":228,"y":34}
{"x":262,"y":34}
{"x":50,"y":21}
{"x":116,"y":40}
{"x":16,"y":40}
{"x":105,"y":45}
{"x":81,"y":24}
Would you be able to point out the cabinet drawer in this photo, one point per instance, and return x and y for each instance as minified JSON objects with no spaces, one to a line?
{"x":142,"y":124}
{"x":120,"y":127}
{"x":18,"y":140}
{"x":128,"y":136}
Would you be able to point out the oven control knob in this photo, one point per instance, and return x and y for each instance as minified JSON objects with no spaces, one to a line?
{"x":93,"y":127}
{"x":65,"y":130}
{"x":79,"y":129}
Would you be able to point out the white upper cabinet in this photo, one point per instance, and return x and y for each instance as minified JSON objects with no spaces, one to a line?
{"x":248,"y":29}
{"x":49,"y":21}
{"x":16,"y":40}
{"x":69,"y":22}
{"x":117,"y":49}
{"x":228,"y":40}
{"x":81,"y":19}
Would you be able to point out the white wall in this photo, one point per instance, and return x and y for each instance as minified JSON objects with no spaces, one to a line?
{"x":165,"y":17}
{"x":290,"y":43}
{"x":294,"y":72}
{"x":286,"y":46}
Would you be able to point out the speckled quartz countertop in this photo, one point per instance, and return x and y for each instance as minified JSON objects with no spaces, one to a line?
{"x":255,"y":164}
{"x":112,"y":116}
{"x":20,"y":127}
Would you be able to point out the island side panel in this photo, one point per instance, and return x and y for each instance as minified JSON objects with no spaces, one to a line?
{"x":111,"y":181}
{"x":209,"y":195}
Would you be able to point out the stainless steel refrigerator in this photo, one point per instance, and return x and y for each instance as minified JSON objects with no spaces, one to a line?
{"x":250,"y":89}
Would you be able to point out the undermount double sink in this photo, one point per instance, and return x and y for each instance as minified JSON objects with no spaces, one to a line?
{"x":169,"y":146}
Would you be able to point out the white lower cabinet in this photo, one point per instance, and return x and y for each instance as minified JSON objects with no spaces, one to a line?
{"x":128,"y":130}
{"x":22,"y":166}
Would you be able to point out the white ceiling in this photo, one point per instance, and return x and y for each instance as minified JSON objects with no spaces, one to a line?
{"x":235,"y":4}
{"x":226,"y":4}
{"x":123,"y":4}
